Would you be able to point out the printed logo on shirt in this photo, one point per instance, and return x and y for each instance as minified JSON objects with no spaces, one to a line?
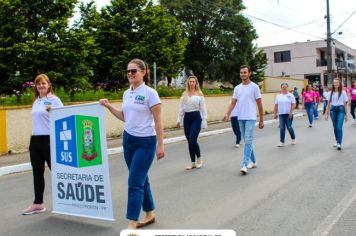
{"x":78,"y":141}
{"x":139,"y":99}
{"x":47,"y":103}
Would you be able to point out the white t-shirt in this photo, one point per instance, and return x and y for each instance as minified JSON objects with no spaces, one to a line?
{"x":284,"y":103}
{"x":234,"y":111}
{"x":40,"y":116}
{"x":246,"y":96}
{"x":336,"y":100}
{"x":136,"y":106}
{"x":326,"y":95}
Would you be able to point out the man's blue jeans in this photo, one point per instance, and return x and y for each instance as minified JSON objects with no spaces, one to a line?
{"x":337,"y":114}
{"x":139,"y":153}
{"x":309,"y":108}
{"x":236,"y":128}
{"x":325,"y":106}
{"x":247,"y":128}
{"x":285,"y":121}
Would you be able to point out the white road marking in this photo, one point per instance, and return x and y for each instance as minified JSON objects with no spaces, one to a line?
{"x":328,"y":223}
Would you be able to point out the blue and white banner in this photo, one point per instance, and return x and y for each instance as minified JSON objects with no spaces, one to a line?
{"x":80,"y":168}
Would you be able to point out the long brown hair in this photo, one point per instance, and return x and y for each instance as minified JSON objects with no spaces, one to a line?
{"x":37,"y":80}
{"x":339,"y":90}
{"x":143,"y":66}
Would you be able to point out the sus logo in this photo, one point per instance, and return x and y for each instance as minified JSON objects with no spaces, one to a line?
{"x":78,"y":141}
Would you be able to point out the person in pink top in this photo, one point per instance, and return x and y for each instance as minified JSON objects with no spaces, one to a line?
{"x":352,"y":92}
{"x":317,"y":101}
{"x":308,"y":99}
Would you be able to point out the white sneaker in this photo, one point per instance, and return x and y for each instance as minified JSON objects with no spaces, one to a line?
{"x":354,"y":122}
{"x":199,"y":163}
{"x":243,"y":170}
{"x":192,"y":166}
{"x":280,"y":145}
{"x":237,"y":145}
{"x":335,"y":145}
{"x":338,"y":146}
{"x":251,"y":165}
{"x":294,"y":142}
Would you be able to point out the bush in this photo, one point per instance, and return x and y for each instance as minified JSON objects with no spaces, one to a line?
{"x":26,"y":98}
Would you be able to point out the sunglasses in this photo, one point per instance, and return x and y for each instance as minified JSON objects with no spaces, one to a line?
{"x":132,"y":71}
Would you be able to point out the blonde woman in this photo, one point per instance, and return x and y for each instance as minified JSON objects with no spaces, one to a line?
{"x":192,"y":111}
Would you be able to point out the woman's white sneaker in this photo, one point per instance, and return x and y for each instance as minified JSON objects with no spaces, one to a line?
{"x":294,"y":142}
{"x":280,"y":145}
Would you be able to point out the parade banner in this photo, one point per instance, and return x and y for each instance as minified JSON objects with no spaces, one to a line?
{"x":80,"y":168}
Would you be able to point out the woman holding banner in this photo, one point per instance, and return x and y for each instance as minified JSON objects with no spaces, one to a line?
{"x":40,"y":144}
{"x":141,"y":112}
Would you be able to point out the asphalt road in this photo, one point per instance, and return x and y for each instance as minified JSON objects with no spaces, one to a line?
{"x":306,"y":189}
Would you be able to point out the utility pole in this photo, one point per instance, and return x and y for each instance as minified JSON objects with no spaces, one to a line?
{"x":328,"y":43}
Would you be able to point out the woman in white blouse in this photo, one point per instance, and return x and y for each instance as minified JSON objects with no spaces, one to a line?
{"x":192,"y":111}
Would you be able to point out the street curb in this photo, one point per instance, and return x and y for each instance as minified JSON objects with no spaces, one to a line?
{"x":111,"y":151}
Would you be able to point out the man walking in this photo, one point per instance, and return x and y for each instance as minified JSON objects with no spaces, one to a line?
{"x":246,"y":96}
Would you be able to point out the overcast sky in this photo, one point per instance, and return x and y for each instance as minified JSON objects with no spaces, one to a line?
{"x":288,"y":21}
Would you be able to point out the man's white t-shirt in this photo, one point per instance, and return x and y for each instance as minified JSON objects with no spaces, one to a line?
{"x":246,"y":96}
{"x":136,"y":107}
{"x":284,"y":103}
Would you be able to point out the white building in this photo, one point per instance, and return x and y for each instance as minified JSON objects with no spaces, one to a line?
{"x":307,"y":60}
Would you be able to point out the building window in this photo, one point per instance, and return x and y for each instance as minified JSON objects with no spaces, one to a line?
{"x":283,"y":56}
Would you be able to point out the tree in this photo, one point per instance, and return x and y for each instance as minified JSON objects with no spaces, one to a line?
{"x":220,"y":37}
{"x":35,"y":38}
{"x":137,"y":29}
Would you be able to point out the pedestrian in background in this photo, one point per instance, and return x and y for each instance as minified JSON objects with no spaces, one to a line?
{"x":285,"y":104}
{"x":337,"y":108}
{"x":192,"y":111}
{"x":325,"y":98}
{"x":308,"y":99}
{"x":352,"y":93}
{"x":143,"y":129}
{"x":296,"y":96}
{"x":44,"y":101}
{"x":246,"y":95}
{"x":317,"y":102}
{"x":234,"y":119}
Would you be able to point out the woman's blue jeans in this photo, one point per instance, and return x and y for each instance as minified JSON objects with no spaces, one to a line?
{"x":236,"y":128}
{"x":192,"y":125}
{"x":337,"y":114}
{"x":139,"y":153}
{"x":285,"y":122}
{"x":309,"y":108}
{"x":247,"y":128}
{"x":316,"y":113}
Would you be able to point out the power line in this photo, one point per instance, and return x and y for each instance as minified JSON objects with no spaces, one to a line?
{"x":282,"y":26}
{"x":344,"y":21}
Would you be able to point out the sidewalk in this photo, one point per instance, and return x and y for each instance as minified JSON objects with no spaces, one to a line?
{"x":21,"y":158}
{"x":20,"y":162}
